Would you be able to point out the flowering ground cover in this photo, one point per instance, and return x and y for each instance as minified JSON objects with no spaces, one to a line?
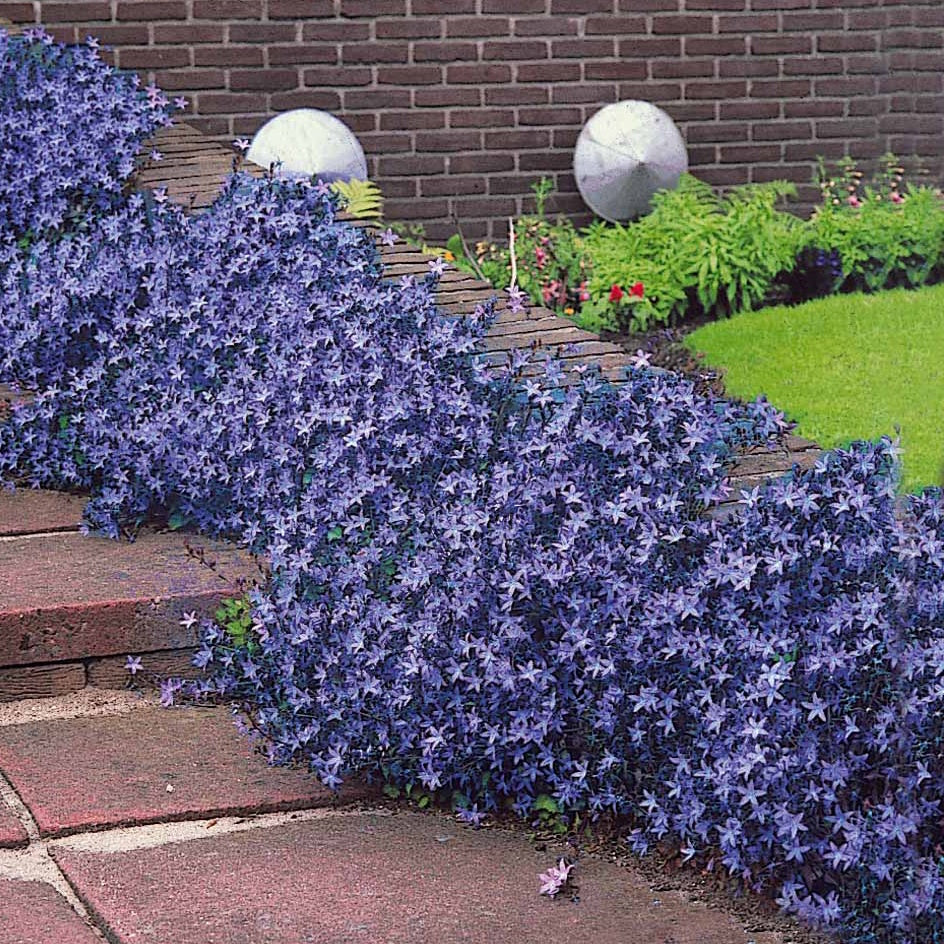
{"x":502,"y":590}
{"x":847,"y":367}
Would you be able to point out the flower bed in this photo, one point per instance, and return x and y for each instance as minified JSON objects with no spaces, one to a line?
{"x":502,"y":590}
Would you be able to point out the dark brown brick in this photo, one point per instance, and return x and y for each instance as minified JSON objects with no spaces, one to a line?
{"x":413,"y":165}
{"x":514,"y":6}
{"x":517,"y":95}
{"x":481,"y":73}
{"x":717,"y":131}
{"x":188,"y":80}
{"x":583,"y":94}
{"x":445,"y":96}
{"x":329,"y":31}
{"x":481,"y":118}
{"x":846,"y":42}
{"x":407,"y":120}
{"x":547,"y":117}
{"x":409,"y":75}
{"x":525,"y":140}
{"x":683,"y":68}
{"x":409,"y":28}
{"x":481,"y":162}
{"x":127,"y":34}
{"x":749,"y":153}
{"x":262,"y":33}
{"x":781,"y":45}
{"x":618,"y":70}
{"x":299,"y":9}
{"x":448,"y":140}
{"x":780,"y":88}
{"x":273,"y":80}
{"x":217,"y":103}
{"x":227,"y":9}
{"x":547,"y":26}
{"x":782,"y":131}
{"x":444,"y":7}
{"x":514,"y":49}
{"x":452,"y":186}
{"x":548,"y":72}
{"x":322,"y":75}
{"x":615,"y":25}
{"x":716,"y":90}
{"x":846,"y":128}
{"x":152,"y":10}
{"x":376,"y":98}
{"x":305,"y":98}
{"x":18,"y":12}
{"x":303,"y":54}
{"x":374,"y":52}
{"x":582,"y":48}
{"x":153,"y":57}
{"x":748,"y":24}
{"x":748,"y":109}
{"x":581,"y":6}
{"x":648,"y":47}
{"x":681,"y":25}
{"x":373,"y":8}
{"x":227,"y":56}
{"x":185,"y":34}
{"x":715,"y":46}
{"x":444,"y":52}
{"x":72,"y":12}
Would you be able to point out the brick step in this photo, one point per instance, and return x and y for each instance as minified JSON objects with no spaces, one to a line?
{"x":72,"y":608}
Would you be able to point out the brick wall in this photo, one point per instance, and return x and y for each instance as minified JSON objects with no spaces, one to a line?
{"x":461,"y":104}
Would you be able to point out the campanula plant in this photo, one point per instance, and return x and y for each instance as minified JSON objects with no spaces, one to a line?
{"x":70,"y":127}
{"x":503,"y":585}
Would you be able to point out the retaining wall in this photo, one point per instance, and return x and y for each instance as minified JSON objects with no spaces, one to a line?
{"x":462,"y":104}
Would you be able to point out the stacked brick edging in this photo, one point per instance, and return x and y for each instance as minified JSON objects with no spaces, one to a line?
{"x":461,"y":104}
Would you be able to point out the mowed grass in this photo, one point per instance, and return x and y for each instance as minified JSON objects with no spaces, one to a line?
{"x":846,"y":367}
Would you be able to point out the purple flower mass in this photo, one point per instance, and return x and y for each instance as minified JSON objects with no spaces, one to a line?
{"x":500,"y":585}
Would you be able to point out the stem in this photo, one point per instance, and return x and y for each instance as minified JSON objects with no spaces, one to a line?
{"x":511,"y":247}
{"x":468,"y":252}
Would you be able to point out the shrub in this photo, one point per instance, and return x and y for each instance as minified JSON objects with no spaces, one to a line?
{"x":70,"y":127}
{"x":885,"y":235}
{"x":695,"y":252}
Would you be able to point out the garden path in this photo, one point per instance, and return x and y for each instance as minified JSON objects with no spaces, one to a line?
{"x":125,"y":823}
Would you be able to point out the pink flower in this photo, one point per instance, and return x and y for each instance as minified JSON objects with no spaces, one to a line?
{"x":554,"y":878}
{"x":854,"y":201}
{"x":616,"y":293}
{"x":897,"y":197}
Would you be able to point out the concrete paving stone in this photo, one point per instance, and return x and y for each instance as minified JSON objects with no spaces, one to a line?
{"x":32,"y":511}
{"x":75,"y":597}
{"x":148,"y":766}
{"x":35,"y":913}
{"x":403,"y":879}
{"x":12,"y":833}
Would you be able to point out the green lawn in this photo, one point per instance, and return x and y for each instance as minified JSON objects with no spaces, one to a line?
{"x":846,"y":367}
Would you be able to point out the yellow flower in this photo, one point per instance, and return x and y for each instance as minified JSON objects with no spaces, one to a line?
{"x":568,"y":311}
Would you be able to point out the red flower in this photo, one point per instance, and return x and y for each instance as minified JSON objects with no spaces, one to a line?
{"x":637,"y":290}
{"x":616,"y":293}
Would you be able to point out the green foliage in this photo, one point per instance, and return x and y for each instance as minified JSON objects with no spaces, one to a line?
{"x":363,"y":199}
{"x":887,"y":234}
{"x":234,"y":615}
{"x":696,"y":252}
{"x":552,"y":266}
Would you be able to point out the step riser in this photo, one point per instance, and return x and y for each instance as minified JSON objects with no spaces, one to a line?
{"x":65,"y":678}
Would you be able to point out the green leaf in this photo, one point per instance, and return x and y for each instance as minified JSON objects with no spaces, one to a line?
{"x":176,"y":521}
{"x":545,"y":803}
{"x":336,"y":533}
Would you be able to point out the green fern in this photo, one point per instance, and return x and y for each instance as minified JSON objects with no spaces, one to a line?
{"x":363,"y":199}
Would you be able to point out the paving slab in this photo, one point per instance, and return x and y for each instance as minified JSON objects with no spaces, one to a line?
{"x":148,"y":766}
{"x":12,"y":833}
{"x":35,"y":913}
{"x":68,"y":596}
{"x":31,"y":511}
{"x":398,"y":879}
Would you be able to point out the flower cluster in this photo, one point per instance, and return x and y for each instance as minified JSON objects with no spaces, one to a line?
{"x":498,"y":586}
{"x":70,"y":127}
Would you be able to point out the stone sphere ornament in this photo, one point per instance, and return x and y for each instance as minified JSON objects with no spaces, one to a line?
{"x":308,"y":143}
{"x":625,"y":153}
